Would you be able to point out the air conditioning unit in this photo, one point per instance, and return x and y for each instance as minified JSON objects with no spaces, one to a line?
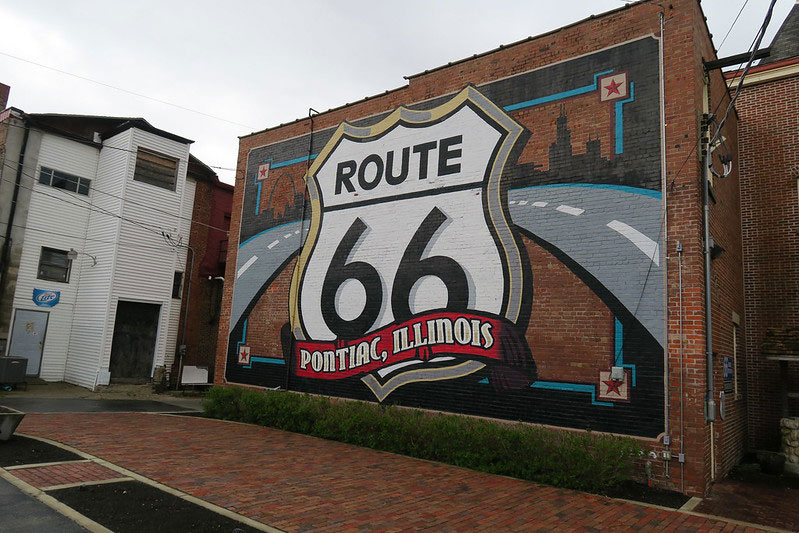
{"x":12,"y":370}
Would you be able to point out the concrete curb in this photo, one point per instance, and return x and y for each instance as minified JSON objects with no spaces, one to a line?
{"x":175,"y":492}
{"x":54,"y":504}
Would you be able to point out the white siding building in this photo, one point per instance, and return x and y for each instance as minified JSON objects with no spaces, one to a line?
{"x":114,"y":190}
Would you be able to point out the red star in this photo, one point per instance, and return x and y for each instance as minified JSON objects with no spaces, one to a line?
{"x":262,"y":173}
{"x":613,"y":386}
{"x":613,"y":88}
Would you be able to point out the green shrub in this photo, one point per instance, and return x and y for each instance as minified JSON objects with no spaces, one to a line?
{"x":570,"y":459}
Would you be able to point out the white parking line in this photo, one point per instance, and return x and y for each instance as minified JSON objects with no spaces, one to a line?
{"x":540,"y":204}
{"x":287,"y":236}
{"x":273,"y":244}
{"x":512,"y":202}
{"x":644,"y":243}
{"x":522,"y":202}
{"x":246,"y":265}
{"x":569,"y":210}
{"x":296,"y":232}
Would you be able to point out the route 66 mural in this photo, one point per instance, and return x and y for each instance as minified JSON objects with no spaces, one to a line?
{"x":495,"y":251}
{"x":388,"y":286}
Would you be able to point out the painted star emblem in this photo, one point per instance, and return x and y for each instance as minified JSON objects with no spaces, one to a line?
{"x":262,"y":172}
{"x":613,"y":386}
{"x":613,"y":87}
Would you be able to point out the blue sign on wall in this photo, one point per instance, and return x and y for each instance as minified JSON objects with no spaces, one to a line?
{"x":45,"y":298}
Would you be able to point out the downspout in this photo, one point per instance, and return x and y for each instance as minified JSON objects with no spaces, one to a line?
{"x":10,"y":224}
{"x":666,"y":366}
{"x":293,"y":310}
{"x":185,"y":313}
{"x":710,"y":402}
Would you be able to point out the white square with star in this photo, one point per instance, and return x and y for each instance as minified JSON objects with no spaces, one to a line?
{"x":613,"y":390}
{"x":613,"y":87}
{"x":244,"y":355}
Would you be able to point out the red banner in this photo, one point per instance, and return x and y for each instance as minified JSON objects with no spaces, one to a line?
{"x":425,"y":337}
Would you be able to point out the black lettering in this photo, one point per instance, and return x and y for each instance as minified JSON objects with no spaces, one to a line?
{"x":364,"y":183}
{"x":423,"y":150}
{"x":344,"y":173}
{"x":445,"y":154}
{"x":391,"y":179}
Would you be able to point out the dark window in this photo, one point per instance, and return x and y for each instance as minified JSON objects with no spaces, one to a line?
{"x":62,"y":180}
{"x":54,"y":265}
{"x":156,"y":169}
{"x":177,"y":284}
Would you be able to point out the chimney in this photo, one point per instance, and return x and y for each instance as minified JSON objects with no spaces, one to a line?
{"x":4,"y":90}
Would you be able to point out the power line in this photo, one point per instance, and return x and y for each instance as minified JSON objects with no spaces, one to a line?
{"x":84,"y":78}
{"x":82,"y":140}
{"x":80,"y":237}
{"x":752,"y":50}
{"x":92,"y":208}
{"x":93,"y":188}
{"x":733,"y":23}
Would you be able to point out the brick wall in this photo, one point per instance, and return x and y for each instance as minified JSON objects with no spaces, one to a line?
{"x":595,"y":298}
{"x":769,"y":172}
{"x":211,"y":203}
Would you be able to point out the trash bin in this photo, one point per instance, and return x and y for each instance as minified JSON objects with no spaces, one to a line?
{"x":12,"y":370}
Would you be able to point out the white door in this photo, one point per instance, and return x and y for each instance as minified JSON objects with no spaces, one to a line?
{"x":27,"y":338}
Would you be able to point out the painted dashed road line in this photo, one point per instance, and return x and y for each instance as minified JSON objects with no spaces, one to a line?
{"x":247,"y":265}
{"x":650,"y":248}
{"x":569,"y":210}
{"x":540,"y":204}
{"x":287,"y":235}
{"x":273,"y":244}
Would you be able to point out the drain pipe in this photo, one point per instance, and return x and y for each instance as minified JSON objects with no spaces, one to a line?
{"x":4,"y":255}
{"x":682,"y":370}
{"x":710,"y":402}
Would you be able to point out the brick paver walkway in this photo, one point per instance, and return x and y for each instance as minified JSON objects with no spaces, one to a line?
{"x":64,"y":474}
{"x":296,"y":483}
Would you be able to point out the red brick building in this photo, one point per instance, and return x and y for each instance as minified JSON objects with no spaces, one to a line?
{"x":202,"y":287}
{"x":517,"y":235}
{"x":768,"y":111}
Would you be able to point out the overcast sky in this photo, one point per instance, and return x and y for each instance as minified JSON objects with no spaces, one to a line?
{"x":261,"y":63}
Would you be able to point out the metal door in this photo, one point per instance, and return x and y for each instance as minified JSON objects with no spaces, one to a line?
{"x":27,"y":337}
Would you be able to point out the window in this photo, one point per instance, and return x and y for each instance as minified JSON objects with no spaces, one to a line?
{"x":62,"y":180}
{"x":156,"y":169}
{"x":54,"y":265}
{"x":177,"y":284}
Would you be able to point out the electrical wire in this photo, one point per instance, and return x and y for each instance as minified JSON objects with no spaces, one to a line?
{"x":80,"y":237}
{"x":733,"y":24}
{"x":80,"y":139}
{"x":92,"y":209}
{"x":140,"y":95}
{"x":93,"y":188}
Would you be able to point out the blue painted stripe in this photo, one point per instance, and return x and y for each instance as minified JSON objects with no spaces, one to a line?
{"x":484,"y":381}
{"x":292,"y":161}
{"x":620,"y":119}
{"x":623,"y":188}
{"x":270,"y":360}
{"x":558,"y":96}
{"x":571,"y":387}
{"x":267,"y":231}
{"x":619,"y":350}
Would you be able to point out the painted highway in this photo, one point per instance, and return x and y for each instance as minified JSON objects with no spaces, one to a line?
{"x":613,"y":233}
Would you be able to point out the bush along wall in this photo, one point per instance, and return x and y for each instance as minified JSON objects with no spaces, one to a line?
{"x":576,"y":460}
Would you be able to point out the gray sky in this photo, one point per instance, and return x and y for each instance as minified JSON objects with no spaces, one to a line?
{"x":263,"y":63}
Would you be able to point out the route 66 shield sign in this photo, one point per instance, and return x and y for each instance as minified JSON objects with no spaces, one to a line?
{"x":410,"y":271}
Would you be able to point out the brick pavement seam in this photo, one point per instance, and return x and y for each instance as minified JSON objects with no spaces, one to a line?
{"x":175,"y":492}
{"x":86,"y":483}
{"x":54,"y":504}
{"x":39,"y":465}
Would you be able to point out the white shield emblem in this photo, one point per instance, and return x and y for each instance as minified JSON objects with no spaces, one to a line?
{"x":408,"y":220}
